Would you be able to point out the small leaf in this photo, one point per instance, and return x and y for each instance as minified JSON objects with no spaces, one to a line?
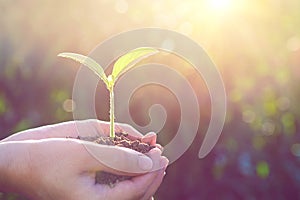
{"x":89,"y":62}
{"x":127,"y":61}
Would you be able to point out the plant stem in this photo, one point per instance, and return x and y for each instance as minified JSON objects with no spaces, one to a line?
{"x":112,"y":115}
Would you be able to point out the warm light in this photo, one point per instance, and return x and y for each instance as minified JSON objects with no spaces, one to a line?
{"x":220,"y":5}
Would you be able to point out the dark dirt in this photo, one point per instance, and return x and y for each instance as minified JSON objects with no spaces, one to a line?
{"x":122,"y":140}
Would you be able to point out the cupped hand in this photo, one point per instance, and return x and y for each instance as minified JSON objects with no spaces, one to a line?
{"x":73,"y":129}
{"x":48,"y":164}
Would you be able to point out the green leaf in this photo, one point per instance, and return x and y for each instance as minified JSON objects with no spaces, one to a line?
{"x":127,"y":61}
{"x":89,"y":62}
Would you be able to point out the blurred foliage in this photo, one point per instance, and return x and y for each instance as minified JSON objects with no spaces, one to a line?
{"x":255,"y":44}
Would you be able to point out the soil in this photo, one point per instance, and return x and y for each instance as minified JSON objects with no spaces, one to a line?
{"x":122,"y":140}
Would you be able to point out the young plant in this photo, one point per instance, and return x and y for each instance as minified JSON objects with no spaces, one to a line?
{"x":123,"y":64}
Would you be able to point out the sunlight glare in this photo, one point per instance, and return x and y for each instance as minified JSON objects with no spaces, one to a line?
{"x":220,"y":5}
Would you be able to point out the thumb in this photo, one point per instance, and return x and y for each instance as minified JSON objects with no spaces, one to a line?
{"x":113,"y":159}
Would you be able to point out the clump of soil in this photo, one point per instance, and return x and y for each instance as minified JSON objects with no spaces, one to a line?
{"x":121,"y":140}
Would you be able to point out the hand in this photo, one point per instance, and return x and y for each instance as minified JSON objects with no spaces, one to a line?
{"x":44,"y":164}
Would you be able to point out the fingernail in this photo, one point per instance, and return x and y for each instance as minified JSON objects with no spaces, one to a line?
{"x":145,"y":163}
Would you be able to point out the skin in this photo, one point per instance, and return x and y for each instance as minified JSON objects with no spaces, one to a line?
{"x":43,"y":164}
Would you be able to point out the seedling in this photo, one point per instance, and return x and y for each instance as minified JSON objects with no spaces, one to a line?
{"x":122,"y":65}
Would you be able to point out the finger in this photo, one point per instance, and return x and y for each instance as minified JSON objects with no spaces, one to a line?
{"x":113,"y":159}
{"x":128,"y":129}
{"x":134,"y":188}
{"x":66,"y":129}
{"x":154,"y":186}
{"x":159,"y":147}
{"x":149,"y":138}
{"x":155,"y":155}
{"x":140,"y":184}
{"x":158,"y":180}
{"x":71,"y":129}
{"x":103,"y":128}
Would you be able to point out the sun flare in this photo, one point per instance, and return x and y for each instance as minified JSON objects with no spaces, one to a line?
{"x":220,"y":5}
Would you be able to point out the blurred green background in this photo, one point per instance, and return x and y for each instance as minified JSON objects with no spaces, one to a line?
{"x":255,"y":44}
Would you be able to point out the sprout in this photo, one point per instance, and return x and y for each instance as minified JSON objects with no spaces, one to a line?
{"x":122,"y":65}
